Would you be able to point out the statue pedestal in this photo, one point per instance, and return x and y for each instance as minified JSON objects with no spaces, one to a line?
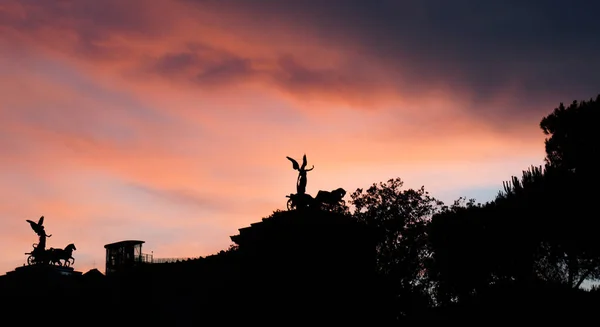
{"x":42,"y":270}
{"x":321,"y":257}
{"x":37,"y":292}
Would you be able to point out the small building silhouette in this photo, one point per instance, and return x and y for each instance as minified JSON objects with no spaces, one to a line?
{"x":124,"y":255}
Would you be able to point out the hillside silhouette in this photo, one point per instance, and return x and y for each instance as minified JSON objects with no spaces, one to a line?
{"x":387,"y":256}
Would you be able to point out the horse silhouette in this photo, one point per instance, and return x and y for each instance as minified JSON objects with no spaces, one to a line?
{"x":332,"y":198}
{"x":56,"y":255}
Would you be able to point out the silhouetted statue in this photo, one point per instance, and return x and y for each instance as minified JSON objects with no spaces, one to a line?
{"x":301,"y":182}
{"x":52,"y":256}
{"x":56,"y":255}
{"x":332,"y":198}
{"x":38,"y":255}
{"x":300,"y":201}
{"x":40,"y":230}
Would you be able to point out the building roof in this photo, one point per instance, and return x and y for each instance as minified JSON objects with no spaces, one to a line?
{"x":123,"y":243}
{"x":94,"y":273}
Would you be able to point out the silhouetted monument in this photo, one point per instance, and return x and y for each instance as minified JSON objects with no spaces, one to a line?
{"x":46,"y":268}
{"x":313,"y":265}
{"x":310,"y":263}
{"x":38,"y":254}
{"x":301,"y":182}
{"x":302,"y":200}
{"x":331,"y":199}
{"x":47,"y":285}
{"x":42,"y":256}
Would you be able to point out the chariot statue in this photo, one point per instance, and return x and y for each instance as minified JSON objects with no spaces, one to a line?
{"x":42,"y":256}
{"x":301,"y":200}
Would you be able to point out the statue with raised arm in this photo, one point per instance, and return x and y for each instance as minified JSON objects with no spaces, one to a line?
{"x":40,"y":230}
{"x":301,"y":182}
{"x":301,"y":199}
{"x":39,"y":251}
{"x":325,"y":200}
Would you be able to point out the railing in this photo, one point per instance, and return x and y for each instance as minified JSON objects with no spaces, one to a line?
{"x":146,"y":258}
{"x":170,"y":260}
{"x":149,"y":258}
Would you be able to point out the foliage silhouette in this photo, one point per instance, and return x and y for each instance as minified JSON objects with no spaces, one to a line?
{"x":400,"y":218}
{"x":573,"y":141}
{"x":539,"y":229}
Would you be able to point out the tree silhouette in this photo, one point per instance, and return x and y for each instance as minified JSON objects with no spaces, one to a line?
{"x":400,"y":218}
{"x":573,"y":141}
{"x":465,"y":250}
{"x":571,"y":150}
{"x":539,"y":228}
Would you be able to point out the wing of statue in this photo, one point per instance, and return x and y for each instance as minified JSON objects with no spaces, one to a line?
{"x":34,"y":226}
{"x":41,"y":221}
{"x":295,"y":163}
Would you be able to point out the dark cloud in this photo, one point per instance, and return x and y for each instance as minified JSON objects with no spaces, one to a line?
{"x":545,"y":49}
{"x":93,"y":18}
{"x":541,"y":50}
{"x":204,"y":65}
{"x":176,"y":62}
{"x":225,"y":70}
{"x":208,"y":66}
{"x":296,"y":76}
{"x":89,"y":23}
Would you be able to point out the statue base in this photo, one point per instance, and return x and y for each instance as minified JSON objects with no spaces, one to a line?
{"x":45,"y":270}
{"x":55,"y":286}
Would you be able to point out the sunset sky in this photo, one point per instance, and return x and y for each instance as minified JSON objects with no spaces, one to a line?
{"x":169,"y":120}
